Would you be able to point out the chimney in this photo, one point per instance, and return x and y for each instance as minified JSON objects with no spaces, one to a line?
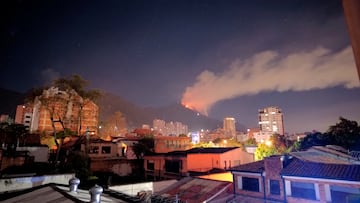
{"x":285,"y":159}
{"x":74,"y":183}
{"x":95,"y":193}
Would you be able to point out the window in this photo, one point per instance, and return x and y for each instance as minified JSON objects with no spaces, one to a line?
{"x":250,"y":184}
{"x":274,"y":187}
{"x":172,"y":166}
{"x":150,"y":165}
{"x":343,"y":194}
{"x":94,"y":150}
{"x":303,"y":190}
{"x":106,"y":150}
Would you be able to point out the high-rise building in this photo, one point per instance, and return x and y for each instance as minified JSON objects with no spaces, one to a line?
{"x":170,"y":128}
{"x":229,"y":126}
{"x":36,"y":115}
{"x":159,"y":126}
{"x":271,"y":120}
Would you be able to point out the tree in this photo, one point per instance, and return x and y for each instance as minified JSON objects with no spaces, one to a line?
{"x":78,"y":162}
{"x":264,"y":150}
{"x":3,"y":132}
{"x":78,"y":84}
{"x":13,"y":131}
{"x":250,"y":142}
{"x":67,"y":94}
{"x":279,"y":142}
{"x":345,"y":133}
{"x":314,"y":139}
{"x":144,"y":146}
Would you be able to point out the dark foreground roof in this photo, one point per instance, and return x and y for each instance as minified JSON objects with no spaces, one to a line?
{"x":253,"y":167}
{"x":194,"y":190}
{"x":60,"y":194}
{"x":212,"y":150}
{"x":301,"y":168}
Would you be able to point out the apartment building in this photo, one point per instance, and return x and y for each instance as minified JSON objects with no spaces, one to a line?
{"x":164,"y":144}
{"x":271,"y":120}
{"x":72,"y":109}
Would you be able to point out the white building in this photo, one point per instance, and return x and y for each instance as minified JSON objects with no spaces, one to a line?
{"x":271,"y":120}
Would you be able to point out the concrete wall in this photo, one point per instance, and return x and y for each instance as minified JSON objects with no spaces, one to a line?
{"x":121,"y":167}
{"x":203,"y":162}
{"x":12,"y":184}
{"x":133,"y":189}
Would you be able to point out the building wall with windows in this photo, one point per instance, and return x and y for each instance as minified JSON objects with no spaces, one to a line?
{"x":164,"y":144}
{"x":102,"y":149}
{"x":271,"y":120}
{"x":165,"y":166}
{"x":229,"y":126}
{"x":299,"y":190}
{"x":225,"y":160}
{"x":75,"y":113}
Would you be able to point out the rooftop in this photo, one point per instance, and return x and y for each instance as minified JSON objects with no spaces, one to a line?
{"x":302,"y":168}
{"x":194,"y":190}
{"x":326,"y":154}
{"x":253,"y":167}
{"x":54,"y":193}
{"x":211,"y":150}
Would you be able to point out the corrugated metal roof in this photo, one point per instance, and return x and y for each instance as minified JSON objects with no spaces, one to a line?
{"x":194,"y":190}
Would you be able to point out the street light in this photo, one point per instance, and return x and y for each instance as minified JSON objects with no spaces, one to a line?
{"x":268,"y":143}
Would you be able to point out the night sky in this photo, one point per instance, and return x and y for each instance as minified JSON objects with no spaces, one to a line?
{"x":219,"y":57}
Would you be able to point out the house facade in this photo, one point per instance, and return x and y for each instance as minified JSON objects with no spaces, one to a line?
{"x":178,"y":164}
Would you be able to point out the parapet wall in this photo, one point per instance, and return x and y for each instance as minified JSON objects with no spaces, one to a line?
{"x":12,"y":184}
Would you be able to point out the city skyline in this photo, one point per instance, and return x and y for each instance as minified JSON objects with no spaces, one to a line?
{"x":220,"y":58}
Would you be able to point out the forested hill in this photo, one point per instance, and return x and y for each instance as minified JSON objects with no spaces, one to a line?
{"x":135,"y":115}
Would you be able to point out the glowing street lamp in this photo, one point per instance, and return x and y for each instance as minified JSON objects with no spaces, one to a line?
{"x":268,"y":143}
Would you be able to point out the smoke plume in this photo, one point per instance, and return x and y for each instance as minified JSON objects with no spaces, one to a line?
{"x":268,"y":71}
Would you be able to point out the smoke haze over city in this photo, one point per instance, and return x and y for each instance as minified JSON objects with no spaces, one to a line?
{"x":220,"y":58}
